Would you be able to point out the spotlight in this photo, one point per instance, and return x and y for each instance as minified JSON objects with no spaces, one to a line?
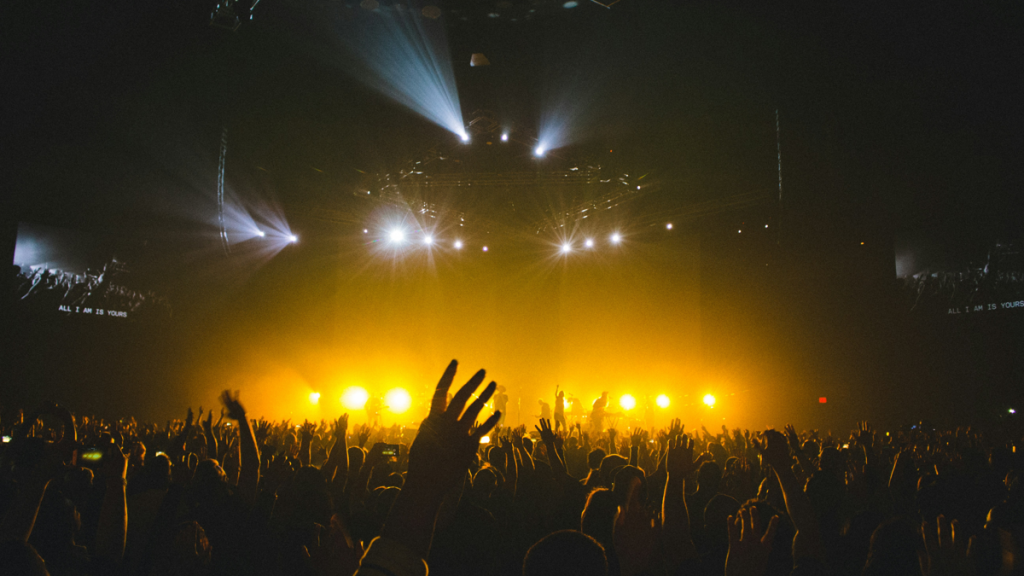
{"x":662,"y":401}
{"x":458,"y":244}
{"x":365,"y":231}
{"x":293,"y":238}
{"x":627,"y":402}
{"x":314,"y":398}
{"x":709,"y":400}
{"x":485,"y":439}
{"x":397,"y":400}
{"x":1012,"y":411}
{"x":397,"y":236}
{"x":504,"y":137}
{"x":465,"y":137}
{"x":485,"y":248}
{"x":261,"y":233}
{"x":589,"y":243}
{"x":539,"y":151}
{"x":428,"y":240}
{"x":566,"y":248}
{"x":616,"y":238}
{"x":668,"y":226}
{"x":354,"y":398}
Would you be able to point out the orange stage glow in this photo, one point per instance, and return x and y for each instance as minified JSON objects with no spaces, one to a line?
{"x":663,"y":401}
{"x":709,"y":400}
{"x":354,"y":398}
{"x":627,"y":402}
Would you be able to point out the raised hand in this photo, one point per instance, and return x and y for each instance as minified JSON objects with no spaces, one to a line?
{"x":444,"y":447}
{"x":680,"y":462}
{"x":308,"y":430}
{"x":341,"y":426}
{"x":262,"y":430}
{"x":748,"y":548}
{"x":208,"y":423}
{"x":792,"y":438}
{"x":636,"y":438}
{"x":546,"y":435}
{"x":363,"y":435}
{"x":865,"y":435}
{"x":188,"y":418}
{"x":946,"y":548}
{"x":234,"y":408}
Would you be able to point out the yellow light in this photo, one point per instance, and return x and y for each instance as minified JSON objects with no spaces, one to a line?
{"x":709,"y":400}
{"x":485,"y":439}
{"x":397,"y":400}
{"x":662,"y":401}
{"x":314,"y":398}
{"x":627,"y":402}
{"x":355,"y":397}
{"x":565,"y":403}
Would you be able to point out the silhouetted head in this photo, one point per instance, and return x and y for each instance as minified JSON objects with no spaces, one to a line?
{"x":595,"y":457}
{"x":566,"y":553}
{"x":709,"y":477}
{"x":895,"y":548}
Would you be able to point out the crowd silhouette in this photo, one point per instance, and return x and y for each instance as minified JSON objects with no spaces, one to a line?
{"x":460,"y":494}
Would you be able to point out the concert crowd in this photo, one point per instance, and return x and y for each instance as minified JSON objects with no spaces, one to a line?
{"x":48,"y":290}
{"x":222,"y":492}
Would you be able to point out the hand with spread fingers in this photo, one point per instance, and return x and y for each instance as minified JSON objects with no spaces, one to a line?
{"x":447,"y":441}
{"x":438,"y":460}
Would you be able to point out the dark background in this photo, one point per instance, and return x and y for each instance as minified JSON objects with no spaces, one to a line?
{"x":892,"y":119}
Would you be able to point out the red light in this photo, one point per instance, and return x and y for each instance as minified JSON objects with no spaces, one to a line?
{"x":822,"y":400}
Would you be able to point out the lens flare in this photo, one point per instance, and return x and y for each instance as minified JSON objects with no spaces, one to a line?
{"x":397,"y":235}
{"x":662,"y":401}
{"x":314,"y":398}
{"x":566,"y":248}
{"x":428,"y":240}
{"x":616,"y":238}
{"x":627,"y":402}
{"x":397,"y":400}
{"x":354,"y":398}
{"x":709,"y":400}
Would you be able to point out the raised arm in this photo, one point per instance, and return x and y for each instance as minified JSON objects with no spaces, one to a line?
{"x":675,"y":520}
{"x":548,"y":437}
{"x":248,"y":452}
{"x":807,"y":541}
{"x":438,"y":461}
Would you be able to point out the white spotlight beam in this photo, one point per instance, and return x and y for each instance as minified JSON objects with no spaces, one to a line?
{"x":409,"y":61}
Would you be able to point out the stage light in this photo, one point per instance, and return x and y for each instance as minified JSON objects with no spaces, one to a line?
{"x":539,"y":151}
{"x":822,"y":400}
{"x":616,"y":238}
{"x":662,"y":401}
{"x":261,"y":233}
{"x":354,"y":398}
{"x":428,"y":240}
{"x":1012,"y":411}
{"x":365,"y":231}
{"x":504,"y":137}
{"x":465,"y":137}
{"x":668,"y":226}
{"x":397,"y":235}
{"x":589,"y":243}
{"x":566,"y":248}
{"x":709,"y":400}
{"x":397,"y":400}
{"x":565,"y":403}
{"x":570,"y":4}
{"x":485,"y":439}
{"x":627,"y":402}
{"x":458,"y":244}
{"x":293,"y":238}
{"x":485,"y":248}
{"x":314,"y":398}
